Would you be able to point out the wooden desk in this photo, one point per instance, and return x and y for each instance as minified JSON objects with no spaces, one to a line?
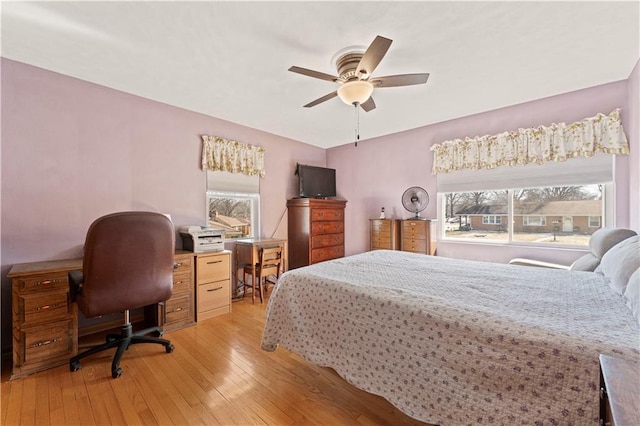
{"x":45,"y":321}
{"x":246,"y":253}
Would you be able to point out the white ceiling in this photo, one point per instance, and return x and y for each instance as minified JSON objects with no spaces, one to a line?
{"x":230,"y":59}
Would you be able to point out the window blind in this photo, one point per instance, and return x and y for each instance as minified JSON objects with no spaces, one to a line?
{"x":238,"y":183}
{"x":576,"y":171}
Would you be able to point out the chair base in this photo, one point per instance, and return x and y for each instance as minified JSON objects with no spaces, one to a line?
{"x":122,"y":341}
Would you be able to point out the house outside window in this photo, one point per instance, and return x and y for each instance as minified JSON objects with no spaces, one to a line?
{"x":534,"y":220}
{"x":563,"y":215}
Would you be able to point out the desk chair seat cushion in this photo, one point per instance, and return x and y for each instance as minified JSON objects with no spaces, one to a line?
{"x":128,"y":263}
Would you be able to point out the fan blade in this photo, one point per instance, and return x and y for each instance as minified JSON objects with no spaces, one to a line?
{"x":314,"y":74}
{"x":368,"y":105}
{"x":400,"y":80}
{"x":373,"y":55}
{"x":322,"y":99}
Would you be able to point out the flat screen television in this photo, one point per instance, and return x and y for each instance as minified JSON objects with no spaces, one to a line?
{"x":316,"y":182}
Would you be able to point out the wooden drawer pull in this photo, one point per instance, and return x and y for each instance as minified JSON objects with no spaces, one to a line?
{"x":179,"y":282}
{"x":45,"y":307}
{"x":214,"y":261}
{"x":177,"y":310}
{"x":46,"y":342}
{"x":215,"y":289}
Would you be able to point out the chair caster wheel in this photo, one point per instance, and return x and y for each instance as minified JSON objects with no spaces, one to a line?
{"x":169,"y":348}
{"x":160,"y":333}
{"x":74,"y":366}
{"x":116,"y":373}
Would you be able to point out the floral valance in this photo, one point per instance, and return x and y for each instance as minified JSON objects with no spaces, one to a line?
{"x":232,"y":156}
{"x":557,"y":142}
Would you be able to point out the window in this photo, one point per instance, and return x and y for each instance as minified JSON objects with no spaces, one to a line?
{"x":491,"y":220}
{"x":543,"y":215}
{"x":553,"y":203}
{"x":529,"y":220}
{"x":233,"y":203}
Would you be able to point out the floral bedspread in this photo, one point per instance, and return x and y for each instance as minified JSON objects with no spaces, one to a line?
{"x":456,"y":342}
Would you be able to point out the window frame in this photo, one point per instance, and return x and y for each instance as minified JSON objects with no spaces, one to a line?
{"x":497,"y":219}
{"x":599,"y":225}
{"x":526,"y":218}
{"x":254,"y":200}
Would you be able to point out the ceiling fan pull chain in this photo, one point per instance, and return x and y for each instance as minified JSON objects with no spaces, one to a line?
{"x":355,"y":104}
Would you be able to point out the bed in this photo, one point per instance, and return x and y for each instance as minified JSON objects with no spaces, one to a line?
{"x":456,"y":342}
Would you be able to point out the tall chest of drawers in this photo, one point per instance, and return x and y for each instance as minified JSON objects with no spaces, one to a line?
{"x":384,"y":234}
{"x":417,"y":236}
{"x":315,"y":230}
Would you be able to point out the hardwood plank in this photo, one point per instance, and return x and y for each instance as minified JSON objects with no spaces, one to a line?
{"x":218,"y":375}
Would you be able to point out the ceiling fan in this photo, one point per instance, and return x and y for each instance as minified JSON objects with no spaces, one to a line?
{"x":355,"y":79}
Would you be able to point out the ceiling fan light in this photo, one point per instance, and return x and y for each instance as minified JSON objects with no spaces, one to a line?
{"x":355,"y":92}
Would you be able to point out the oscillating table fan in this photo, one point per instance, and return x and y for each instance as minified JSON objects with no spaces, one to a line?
{"x":415,"y":199}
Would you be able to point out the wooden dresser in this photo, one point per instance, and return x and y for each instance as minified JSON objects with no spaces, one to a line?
{"x":619,"y":391}
{"x":418,"y":236}
{"x":316,"y":230}
{"x":213,"y":280}
{"x":384,"y":234}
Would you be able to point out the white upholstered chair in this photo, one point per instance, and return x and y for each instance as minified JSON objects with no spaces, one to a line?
{"x":599,"y":243}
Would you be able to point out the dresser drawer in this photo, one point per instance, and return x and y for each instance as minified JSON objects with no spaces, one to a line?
{"x":327,"y":253}
{"x":414,"y":229}
{"x":381,"y":242}
{"x":328,"y":240}
{"x":327,"y":214}
{"x":320,"y":228}
{"x":418,"y":246}
{"x":40,"y":283}
{"x":45,"y":342}
{"x":213,"y":295}
{"x":183,"y":264}
{"x":181,"y":283}
{"x":178,"y":309}
{"x":34,"y":308}
{"x":383,"y":226}
{"x":212,"y":268}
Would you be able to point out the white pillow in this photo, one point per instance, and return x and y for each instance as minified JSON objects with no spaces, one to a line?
{"x":620,"y":262}
{"x":632,"y":294}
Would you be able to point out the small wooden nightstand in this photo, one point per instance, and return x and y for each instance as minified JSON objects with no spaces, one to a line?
{"x":619,"y":391}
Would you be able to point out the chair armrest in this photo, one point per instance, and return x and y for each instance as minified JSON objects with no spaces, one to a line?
{"x":537,"y":263}
{"x":76,"y":279}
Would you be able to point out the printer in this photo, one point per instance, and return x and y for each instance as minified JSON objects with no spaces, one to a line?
{"x":199,"y":239}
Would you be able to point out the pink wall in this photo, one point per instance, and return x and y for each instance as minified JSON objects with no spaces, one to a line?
{"x":73,"y":151}
{"x":633,"y":132}
{"x":377,"y":171}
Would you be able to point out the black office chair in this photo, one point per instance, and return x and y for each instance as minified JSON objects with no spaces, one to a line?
{"x":128,"y":263}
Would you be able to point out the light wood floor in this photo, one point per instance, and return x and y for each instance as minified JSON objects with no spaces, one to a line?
{"x":217,"y":375}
